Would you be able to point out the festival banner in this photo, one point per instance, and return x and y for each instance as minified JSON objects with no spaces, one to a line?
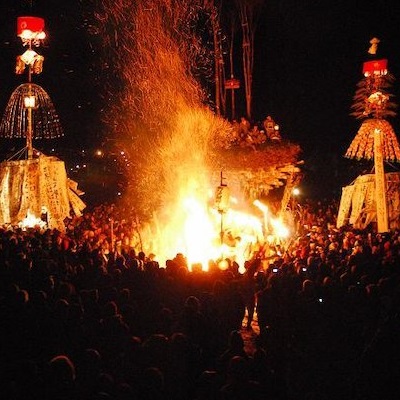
{"x":344,"y":207}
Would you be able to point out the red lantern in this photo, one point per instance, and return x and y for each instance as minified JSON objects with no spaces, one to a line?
{"x":232,"y":83}
{"x":30,"y":28}
{"x":375,"y":67}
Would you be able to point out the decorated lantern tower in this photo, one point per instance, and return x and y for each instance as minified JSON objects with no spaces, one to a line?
{"x":30,"y":112}
{"x":376,"y":139}
{"x":34,"y":188}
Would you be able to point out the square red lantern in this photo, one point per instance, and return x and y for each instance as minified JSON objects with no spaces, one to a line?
{"x":375,"y":67}
{"x":30,"y":28}
{"x":232,"y":83}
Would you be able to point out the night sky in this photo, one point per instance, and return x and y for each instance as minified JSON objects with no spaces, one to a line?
{"x":313,"y":51}
{"x":308,"y":60}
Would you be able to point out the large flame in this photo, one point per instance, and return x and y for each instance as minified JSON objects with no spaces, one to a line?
{"x":162,"y":119}
{"x":199,"y":231}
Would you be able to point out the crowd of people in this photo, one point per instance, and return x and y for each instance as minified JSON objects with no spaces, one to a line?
{"x":80,"y":320}
{"x":245,"y":134}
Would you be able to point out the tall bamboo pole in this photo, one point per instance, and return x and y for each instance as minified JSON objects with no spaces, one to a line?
{"x":233,"y":111}
{"x":380,"y":184}
{"x":29,"y":133}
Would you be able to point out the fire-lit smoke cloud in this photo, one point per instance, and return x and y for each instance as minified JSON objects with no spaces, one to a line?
{"x":155,"y":55}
